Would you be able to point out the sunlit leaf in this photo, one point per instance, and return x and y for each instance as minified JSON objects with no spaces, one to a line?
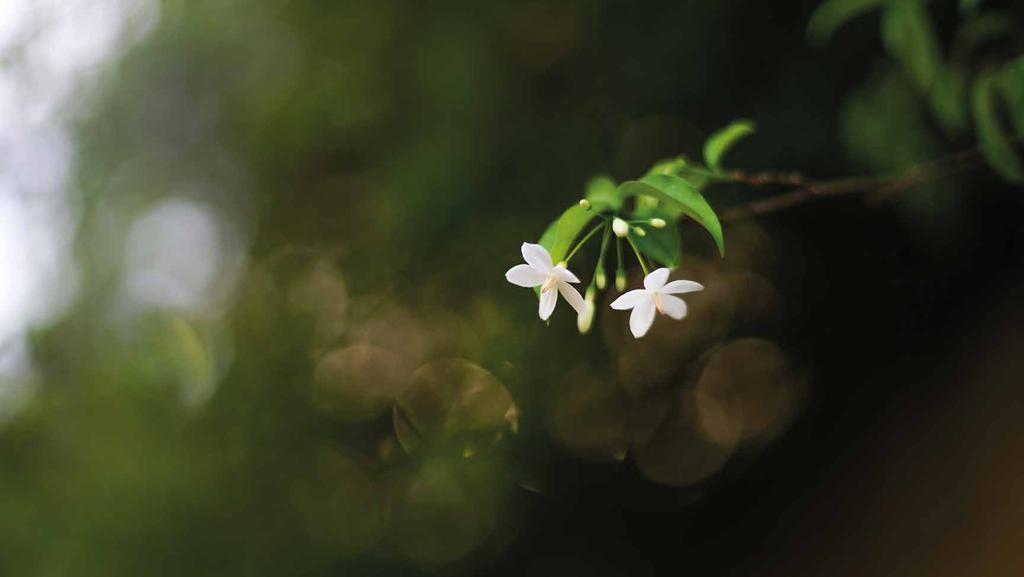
{"x":603,"y":194}
{"x":661,"y":245}
{"x":668,"y":166}
{"x":560,"y":234}
{"x":995,"y":145}
{"x":830,"y":15}
{"x":720,"y":142}
{"x":683,"y":168}
{"x":909,"y":36}
{"x":677,"y":193}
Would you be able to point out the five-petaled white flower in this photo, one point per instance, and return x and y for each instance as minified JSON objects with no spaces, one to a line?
{"x":552,"y":279}
{"x":656,"y":296}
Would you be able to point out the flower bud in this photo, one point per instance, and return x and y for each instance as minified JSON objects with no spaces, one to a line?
{"x":620,"y":227}
{"x":600,"y":279}
{"x":620,"y":280}
{"x":584,"y":204}
{"x":585,"y":319}
{"x":658,"y":222}
{"x":639,"y":231}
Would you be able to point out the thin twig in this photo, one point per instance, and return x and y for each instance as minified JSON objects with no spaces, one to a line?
{"x":807,"y":190}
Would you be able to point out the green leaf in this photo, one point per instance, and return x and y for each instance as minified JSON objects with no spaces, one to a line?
{"x":908,"y":35}
{"x":948,"y":100}
{"x":559,"y":236}
{"x":720,"y":142}
{"x":679,"y":194}
{"x":830,"y":15}
{"x":995,"y":145}
{"x":603,"y":194}
{"x":682,"y":167}
{"x":661,"y":245}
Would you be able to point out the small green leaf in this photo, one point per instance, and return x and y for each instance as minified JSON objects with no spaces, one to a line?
{"x":559,"y":236}
{"x":720,"y":142}
{"x":908,"y":35}
{"x":830,"y":15}
{"x":661,"y":245}
{"x":995,"y":145}
{"x":679,"y":194}
{"x":603,"y":194}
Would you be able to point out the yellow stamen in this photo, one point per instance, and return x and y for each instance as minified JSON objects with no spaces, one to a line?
{"x":549,"y":284}
{"x":658,"y":304}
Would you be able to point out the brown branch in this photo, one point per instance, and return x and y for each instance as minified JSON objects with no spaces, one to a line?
{"x":807,"y":190}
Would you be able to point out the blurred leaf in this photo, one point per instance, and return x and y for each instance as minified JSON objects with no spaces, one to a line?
{"x":668,"y":166}
{"x":996,"y":146}
{"x":948,"y":99}
{"x":969,"y":7}
{"x":909,"y":36}
{"x":884,"y":126}
{"x":603,"y":194}
{"x":980,"y":30}
{"x":678,"y":193}
{"x":662,"y":245}
{"x":560,"y":234}
{"x":720,"y":142}
{"x":832,"y":14}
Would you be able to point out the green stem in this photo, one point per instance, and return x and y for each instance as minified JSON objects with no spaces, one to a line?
{"x":639,"y":258}
{"x":618,"y":249}
{"x":583,"y":241}
{"x":599,"y":269}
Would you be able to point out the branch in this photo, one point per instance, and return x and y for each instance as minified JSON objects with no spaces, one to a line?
{"x":807,"y":190}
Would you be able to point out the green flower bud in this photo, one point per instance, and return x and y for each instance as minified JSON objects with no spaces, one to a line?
{"x":658,"y":222}
{"x":639,"y":231}
{"x":584,"y":204}
{"x":585,"y":319}
{"x":620,"y":280}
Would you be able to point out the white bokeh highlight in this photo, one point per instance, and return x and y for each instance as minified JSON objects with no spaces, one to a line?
{"x":52,"y":52}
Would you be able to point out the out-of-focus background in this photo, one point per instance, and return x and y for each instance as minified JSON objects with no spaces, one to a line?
{"x":253,"y":319}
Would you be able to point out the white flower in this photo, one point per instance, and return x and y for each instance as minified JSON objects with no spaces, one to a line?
{"x":656,"y":296}
{"x":539,"y":272}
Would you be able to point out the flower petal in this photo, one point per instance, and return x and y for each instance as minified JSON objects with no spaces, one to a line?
{"x":631,"y":299}
{"x":537,"y":256}
{"x":677,"y":287}
{"x":525,"y":275}
{"x":565,"y":274}
{"x":548,"y":300}
{"x":572,"y":296}
{"x":656,"y":279}
{"x":641,"y":318}
{"x":674,"y":307}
